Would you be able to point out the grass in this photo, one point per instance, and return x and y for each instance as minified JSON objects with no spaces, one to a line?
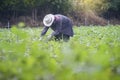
{"x":93,"y":53}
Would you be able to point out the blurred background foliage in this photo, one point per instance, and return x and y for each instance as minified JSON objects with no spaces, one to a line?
{"x":81,"y":11}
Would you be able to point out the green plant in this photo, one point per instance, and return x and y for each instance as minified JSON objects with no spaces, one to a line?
{"x":93,"y":53}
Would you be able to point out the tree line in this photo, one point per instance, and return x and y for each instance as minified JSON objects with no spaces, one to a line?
{"x":11,"y":10}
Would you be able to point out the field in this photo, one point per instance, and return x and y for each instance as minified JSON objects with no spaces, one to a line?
{"x":92,"y":54}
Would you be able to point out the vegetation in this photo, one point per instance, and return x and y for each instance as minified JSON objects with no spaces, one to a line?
{"x":31,"y":12}
{"x":32,"y":7}
{"x":93,"y":53}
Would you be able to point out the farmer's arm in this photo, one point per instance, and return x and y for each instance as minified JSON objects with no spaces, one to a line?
{"x":53,"y":34}
{"x":44,"y":31}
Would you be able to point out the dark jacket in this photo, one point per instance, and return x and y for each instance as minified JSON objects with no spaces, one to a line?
{"x":61,"y":24}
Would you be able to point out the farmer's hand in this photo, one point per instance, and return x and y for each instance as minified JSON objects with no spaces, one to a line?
{"x":49,"y":37}
{"x":40,"y":38}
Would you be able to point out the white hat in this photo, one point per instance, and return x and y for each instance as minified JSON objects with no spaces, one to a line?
{"x":48,"y":20}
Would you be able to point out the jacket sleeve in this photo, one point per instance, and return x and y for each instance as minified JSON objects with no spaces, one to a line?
{"x":55,"y":33}
{"x":44,"y":31}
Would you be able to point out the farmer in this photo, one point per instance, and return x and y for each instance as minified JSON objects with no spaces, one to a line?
{"x":61,"y":26}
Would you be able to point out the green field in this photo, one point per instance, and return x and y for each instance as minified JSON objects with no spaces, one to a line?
{"x":92,"y":54}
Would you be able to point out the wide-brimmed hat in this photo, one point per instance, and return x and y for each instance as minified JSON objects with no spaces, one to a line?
{"x":48,"y":20}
